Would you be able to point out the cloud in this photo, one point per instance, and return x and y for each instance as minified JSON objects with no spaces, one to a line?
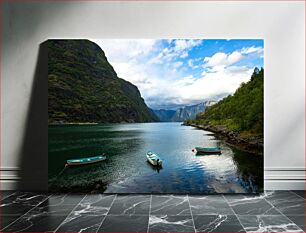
{"x":184,"y":55}
{"x":123,"y":49}
{"x":234,"y":57}
{"x":181,"y":45}
{"x":177,"y":49}
{"x":157,"y":59}
{"x":157,"y":68}
{"x":191,"y":64}
{"x":252,"y":49}
{"x":134,"y":73}
{"x":222,"y":59}
{"x":177,"y":64}
{"x":189,"y":90}
{"x":185,"y":81}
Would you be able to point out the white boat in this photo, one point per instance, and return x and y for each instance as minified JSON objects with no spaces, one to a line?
{"x":154,"y":159}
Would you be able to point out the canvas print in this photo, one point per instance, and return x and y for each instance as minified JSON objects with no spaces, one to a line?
{"x":182,"y":116}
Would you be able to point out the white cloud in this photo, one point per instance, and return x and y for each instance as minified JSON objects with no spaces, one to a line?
{"x":118,"y":50}
{"x":189,"y":90}
{"x":131,"y":72}
{"x":167,"y":85}
{"x":191,"y":64}
{"x":234,"y":57}
{"x":188,"y":80}
{"x":222,"y":59}
{"x":177,"y":64}
{"x":181,"y":45}
{"x":184,"y":55}
{"x":157,"y":59}
{"x":252,"y":49}
{"x":160,"y":92}
{"x":180,"y":49}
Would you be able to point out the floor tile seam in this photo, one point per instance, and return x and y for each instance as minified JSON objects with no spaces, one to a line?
{"x":69,"y":214}
{"x":7,"y":196}
{"x":149,"y":213}
{"x":298,"y":215}
{"x":26,"y":212}
{"x":297,"y":194}
{"x":170,"y":215}
{"x":102,"y":221}
{"x":243,"y":227}
{"x":63,"y":205}
{"x":283,"y":214}
{"x":192,"y":219}
{"x":264,"y":215}
{"x":218,"y":201}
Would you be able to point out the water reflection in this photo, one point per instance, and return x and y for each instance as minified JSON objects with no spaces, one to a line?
{"x":154,"y":168}
{"x":126,"y":169}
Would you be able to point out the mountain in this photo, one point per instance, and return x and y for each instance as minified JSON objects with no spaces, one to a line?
{"x":241,"y":112}
{"x":190,"y":112}
{"x":84,"y":87}
{"x":164,"y":115}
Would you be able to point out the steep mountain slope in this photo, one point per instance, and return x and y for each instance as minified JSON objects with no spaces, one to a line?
{"x":164,"y":115}
{"x":241,"y":112}
{"x":84,"y":87}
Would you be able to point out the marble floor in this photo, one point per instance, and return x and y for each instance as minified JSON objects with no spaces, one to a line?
{"x":273,"y":211}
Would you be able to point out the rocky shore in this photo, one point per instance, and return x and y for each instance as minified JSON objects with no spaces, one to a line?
{"x":251,"y":144}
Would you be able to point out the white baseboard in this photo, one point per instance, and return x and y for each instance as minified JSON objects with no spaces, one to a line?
{"x":276,"y":178}
{"x":9,"y":178}
{"x":284,"y":185}
{"x":284,"y":178}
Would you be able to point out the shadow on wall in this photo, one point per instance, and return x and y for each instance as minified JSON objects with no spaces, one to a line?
{"x":34,"y":152}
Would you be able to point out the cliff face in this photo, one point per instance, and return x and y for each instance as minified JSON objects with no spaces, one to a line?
{"x":183,"y":113}
{"x":84,"y":87}
{"x":190,"y":112}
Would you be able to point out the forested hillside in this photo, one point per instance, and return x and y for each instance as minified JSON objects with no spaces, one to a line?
{"x":241,"y":112}
{"x":84,"y":87}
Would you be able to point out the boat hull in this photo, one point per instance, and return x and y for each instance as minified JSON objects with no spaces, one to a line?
{"x":154,"y":159}
{"x":85,"y":161}
{"x":199,"y":150}
{"x":208,"y":153}
{"x":155,"y":162}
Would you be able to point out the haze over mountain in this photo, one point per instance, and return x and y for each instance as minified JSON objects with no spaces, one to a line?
{"x":164,"y":115}
{"x":183,"y":113}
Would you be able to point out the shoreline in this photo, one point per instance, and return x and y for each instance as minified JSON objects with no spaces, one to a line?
{"x":73,"y":123}
{"x":251,"y":145}
{"x":98,"y":123}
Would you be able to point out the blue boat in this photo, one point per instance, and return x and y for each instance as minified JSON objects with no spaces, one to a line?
{"x":84,"y":161}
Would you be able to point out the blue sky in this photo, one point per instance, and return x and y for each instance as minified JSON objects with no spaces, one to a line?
{"x":175,"y":73}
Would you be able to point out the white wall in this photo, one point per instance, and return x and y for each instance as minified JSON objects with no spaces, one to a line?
{"x":281,"y":24}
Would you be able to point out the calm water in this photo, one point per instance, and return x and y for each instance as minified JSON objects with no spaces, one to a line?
{"x":127,"y":171}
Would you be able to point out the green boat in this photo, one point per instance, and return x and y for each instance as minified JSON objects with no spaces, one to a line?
{"x":207,"y":150}
{"x":84,"y":161}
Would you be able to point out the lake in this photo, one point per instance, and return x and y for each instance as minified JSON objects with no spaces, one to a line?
{"x":126,"y":169}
